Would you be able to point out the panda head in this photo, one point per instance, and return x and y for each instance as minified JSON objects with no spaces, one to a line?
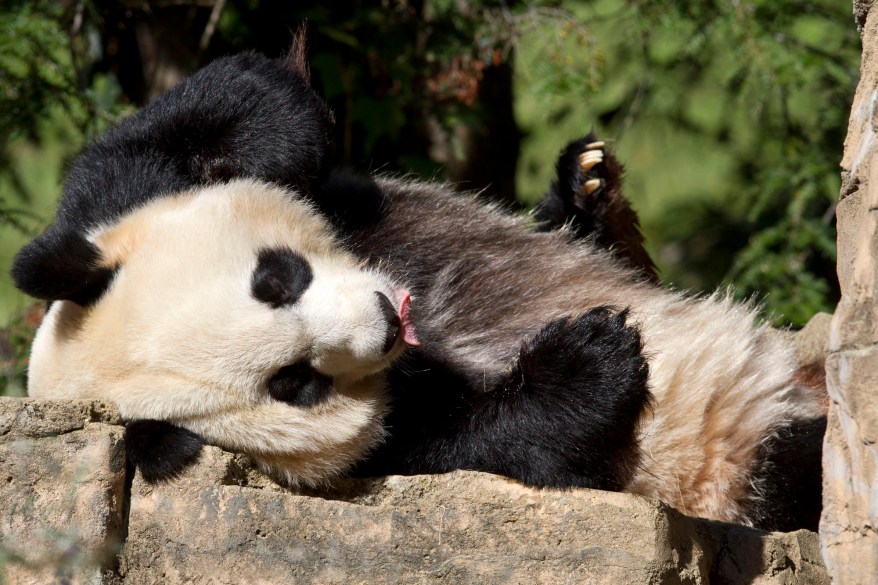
{"x":233,"y":312}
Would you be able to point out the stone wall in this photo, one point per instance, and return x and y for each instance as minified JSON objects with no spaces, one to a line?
{"x":71,"y":512}
{"x":849,"y":525}
{"x":62,"y":490}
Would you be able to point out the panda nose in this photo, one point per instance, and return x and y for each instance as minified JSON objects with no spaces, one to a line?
{"x":392,"y":318}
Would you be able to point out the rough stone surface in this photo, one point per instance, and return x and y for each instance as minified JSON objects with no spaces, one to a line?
{"x":62,"y":482}
{"x":861,"y":10}
{"x":65,"y":509}
{"x":849,"y":525}
{"x":811,"y":343}
{"x":458,"y":528}
{"x":463,"y":527}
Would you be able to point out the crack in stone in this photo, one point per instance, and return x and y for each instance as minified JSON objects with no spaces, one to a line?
{"x":856,"y":347}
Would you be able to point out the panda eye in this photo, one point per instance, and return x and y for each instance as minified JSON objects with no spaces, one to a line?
{"x":280,"y":278}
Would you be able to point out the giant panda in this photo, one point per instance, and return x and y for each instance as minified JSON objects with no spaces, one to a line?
{"x":207,"y":270}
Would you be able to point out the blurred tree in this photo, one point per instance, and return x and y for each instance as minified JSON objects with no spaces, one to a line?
{"x":786,"y":71}
{"x":38,"y":76}
{"x":731,"y":118}
{"x":415,"y":86}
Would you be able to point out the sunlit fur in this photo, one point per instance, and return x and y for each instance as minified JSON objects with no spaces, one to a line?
{"x":179,"y":337}
{"x":722,"y":383}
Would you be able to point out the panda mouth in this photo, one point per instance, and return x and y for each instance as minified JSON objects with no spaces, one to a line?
{"x":399,"y":321}
{"x":406,"y":326}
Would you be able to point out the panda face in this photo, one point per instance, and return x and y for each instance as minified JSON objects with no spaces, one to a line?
{"x":235,"y":313}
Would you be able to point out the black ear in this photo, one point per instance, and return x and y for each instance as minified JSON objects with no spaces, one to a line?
{"x":63,"y":266}
{"x":160,"y":450}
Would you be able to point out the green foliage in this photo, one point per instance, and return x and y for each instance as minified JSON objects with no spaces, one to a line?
{"x":45,"y":57}
{"x":788,"y":69}
{"x":30,"y":82}
{"x":730,"y":117}
{"x":31,"y":77}
{"x":15,"y":342}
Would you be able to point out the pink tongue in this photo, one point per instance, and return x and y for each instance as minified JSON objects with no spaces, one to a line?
{"x":409,"y":335}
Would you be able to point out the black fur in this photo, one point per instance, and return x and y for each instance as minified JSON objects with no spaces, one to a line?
{"x":280,"y":278}
{"x":160,"y":450}
{"x":60,"y":266}
{"x":211,"y":127}
{"x":564,"y":415}
{"x":351,"y":203}
{"x":299,"y":385}
{"x":604,"y":215}
{"x":789,"y":478}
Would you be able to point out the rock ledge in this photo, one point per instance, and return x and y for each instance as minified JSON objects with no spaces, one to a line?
{"x":71,"y":512}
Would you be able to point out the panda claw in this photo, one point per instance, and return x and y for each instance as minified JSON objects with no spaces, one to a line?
{"x":591,"y":155}
{"x":593,"y":185}
{"x":587,"y":165}
{"x":595,"y":145}
{"x":589,"y":159}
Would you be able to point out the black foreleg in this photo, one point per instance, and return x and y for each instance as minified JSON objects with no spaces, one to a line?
{"x":160,"y":450}
{"x":566,"y":414}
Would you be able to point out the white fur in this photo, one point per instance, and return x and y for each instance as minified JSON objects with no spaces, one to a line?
{"x":179,"y":336}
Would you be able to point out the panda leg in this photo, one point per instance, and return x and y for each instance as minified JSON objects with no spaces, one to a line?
{"x":160,"y":450}
{"x":587,"y":194}
{"x":789,"y":496}
{"x":565,"y":415}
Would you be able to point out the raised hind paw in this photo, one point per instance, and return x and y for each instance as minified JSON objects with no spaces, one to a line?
{"x":587,"y":198}
{"x":587,"y":177}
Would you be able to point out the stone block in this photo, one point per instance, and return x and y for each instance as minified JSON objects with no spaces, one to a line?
{"x":68,"y":501}
{"x":222,"y":522}
{"x":848,"y":533}
{"x":62,"y":484}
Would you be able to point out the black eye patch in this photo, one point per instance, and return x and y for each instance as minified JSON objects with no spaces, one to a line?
{"x":280,"y":278}
{"x":300,"y":385}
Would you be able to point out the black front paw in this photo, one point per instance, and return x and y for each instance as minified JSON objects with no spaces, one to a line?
{"x":578,"y":391}
{"x":564,"y":416}
{"x":597,"y":355}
